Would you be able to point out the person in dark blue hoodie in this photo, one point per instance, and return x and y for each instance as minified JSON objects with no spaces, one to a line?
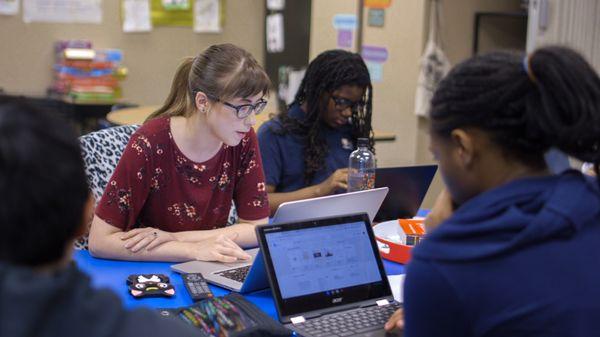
{"x":519,"y":253}
{"x":45,"y":206}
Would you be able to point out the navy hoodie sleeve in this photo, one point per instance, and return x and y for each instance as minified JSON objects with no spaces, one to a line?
{"x":431,"y":307}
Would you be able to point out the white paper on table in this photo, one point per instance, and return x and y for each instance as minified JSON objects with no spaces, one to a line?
{"x":207,"y":16}
{"x":62,"y":11}
{"x":275,"y":42}
{"x":397,"y":285}
{"x":136,"y":16}
{"x":9,"y":7}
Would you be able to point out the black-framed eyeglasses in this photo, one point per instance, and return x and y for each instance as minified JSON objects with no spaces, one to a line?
{"x":342,"y":103}
{"x":243,"y":110}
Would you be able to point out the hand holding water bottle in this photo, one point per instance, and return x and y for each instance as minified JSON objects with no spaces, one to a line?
{"x":361,"y":167}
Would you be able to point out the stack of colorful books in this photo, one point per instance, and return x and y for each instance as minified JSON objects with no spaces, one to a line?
{"x":85,"y":75}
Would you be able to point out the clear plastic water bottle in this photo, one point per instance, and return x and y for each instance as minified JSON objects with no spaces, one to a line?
{"x":361,"y":167}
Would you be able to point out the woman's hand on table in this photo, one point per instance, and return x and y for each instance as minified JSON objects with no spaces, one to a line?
{"x":220,"y":248}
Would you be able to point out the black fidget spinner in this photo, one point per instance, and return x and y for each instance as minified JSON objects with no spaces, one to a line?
{"x":150,"y":285}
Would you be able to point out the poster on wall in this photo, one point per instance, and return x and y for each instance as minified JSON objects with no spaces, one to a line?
{"x":375,"y":57}
{"x":174,"y":5}
{"x":275,"y":5}
{"x":62,"y":11}
{"x":9,"y":7}
{"x":345,"y":25}
{"x":275,"y":34}
{"x":345,"y":37}
{"x":207,"y":16}
{"x":376,"y":17}
{"x":382,"y":4}
{"x":170,"y":16}
{"x":136,"y":16}
{"x":289,"y":80}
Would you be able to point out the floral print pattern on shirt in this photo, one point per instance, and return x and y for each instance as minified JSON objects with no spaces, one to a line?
{"x":156,"y":185}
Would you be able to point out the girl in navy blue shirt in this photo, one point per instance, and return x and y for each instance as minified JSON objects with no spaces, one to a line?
{"x":305,"y":149}
{"x":518,"y":255}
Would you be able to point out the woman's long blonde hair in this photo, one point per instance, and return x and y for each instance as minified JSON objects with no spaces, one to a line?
{"x":224,"y":71}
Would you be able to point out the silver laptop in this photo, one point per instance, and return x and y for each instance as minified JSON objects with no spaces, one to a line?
{"x":240,"y":277}
{"x":367,"y":201}
{"x":327,"y":277}
{"x":249,"y":276}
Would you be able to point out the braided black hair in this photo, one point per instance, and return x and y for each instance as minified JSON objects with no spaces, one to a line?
{"x":527,"y":106}
{"x":328,"y":72}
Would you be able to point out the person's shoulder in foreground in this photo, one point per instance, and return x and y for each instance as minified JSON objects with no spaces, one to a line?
{"x":517,"y":255}
{"x":511,"y":259}
{"x":43,"y":293}
{"x":63,"y":303}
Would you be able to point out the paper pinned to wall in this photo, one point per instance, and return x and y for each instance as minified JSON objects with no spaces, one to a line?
{"x":289,"y":83}
{"x":375,"y":57}
{"x":62,"y":11}
{"x":345,"y":38}
{"x":376,"y":17}
{"x":275,"y":5}
{"x":275,"y":42}
{"x":175,"y":5}
{"x":345,"y":25}
{"x":375,"y":71}
{"x":377,"y":3}
{"x":345,"y":21}
{"x":9,"y":7}
{"x":136,"y":16}
{"x":207,"y":16}
{"x":161,"y":16}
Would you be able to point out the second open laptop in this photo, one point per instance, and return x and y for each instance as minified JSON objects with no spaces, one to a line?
{"x":367,"y":201}
{"x":407,"y":188}
{"x":327,"y":277}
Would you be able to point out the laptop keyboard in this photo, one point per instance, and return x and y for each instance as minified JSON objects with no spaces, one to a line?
{"x":348,"y":323}
{"x":236,"y":274}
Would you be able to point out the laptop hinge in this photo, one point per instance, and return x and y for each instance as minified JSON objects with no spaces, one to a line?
{"x":382,"y":302}
{"x":297,"y":320}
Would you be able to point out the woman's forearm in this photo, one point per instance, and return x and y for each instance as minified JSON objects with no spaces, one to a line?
{"x":105,"y":242}
{"x":112,"y":247}
{"x":242,"y":233}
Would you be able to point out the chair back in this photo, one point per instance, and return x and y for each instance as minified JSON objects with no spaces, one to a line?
{"x":101,"y":151}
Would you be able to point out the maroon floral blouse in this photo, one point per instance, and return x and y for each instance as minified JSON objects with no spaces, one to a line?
{"x":156,"y":185}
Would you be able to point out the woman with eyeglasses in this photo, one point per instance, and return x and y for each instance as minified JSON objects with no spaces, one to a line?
{"x":305,"y":149}
{"x":170,"y":195}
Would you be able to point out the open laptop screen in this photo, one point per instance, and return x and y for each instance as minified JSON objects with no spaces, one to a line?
{"x":323,"y":263}
{"x":408,"y":186}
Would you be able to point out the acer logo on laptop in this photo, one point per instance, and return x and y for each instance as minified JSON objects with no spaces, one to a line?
{"x":337,"y":300}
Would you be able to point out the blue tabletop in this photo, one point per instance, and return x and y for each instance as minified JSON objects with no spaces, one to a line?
{"x":113,"y":274}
